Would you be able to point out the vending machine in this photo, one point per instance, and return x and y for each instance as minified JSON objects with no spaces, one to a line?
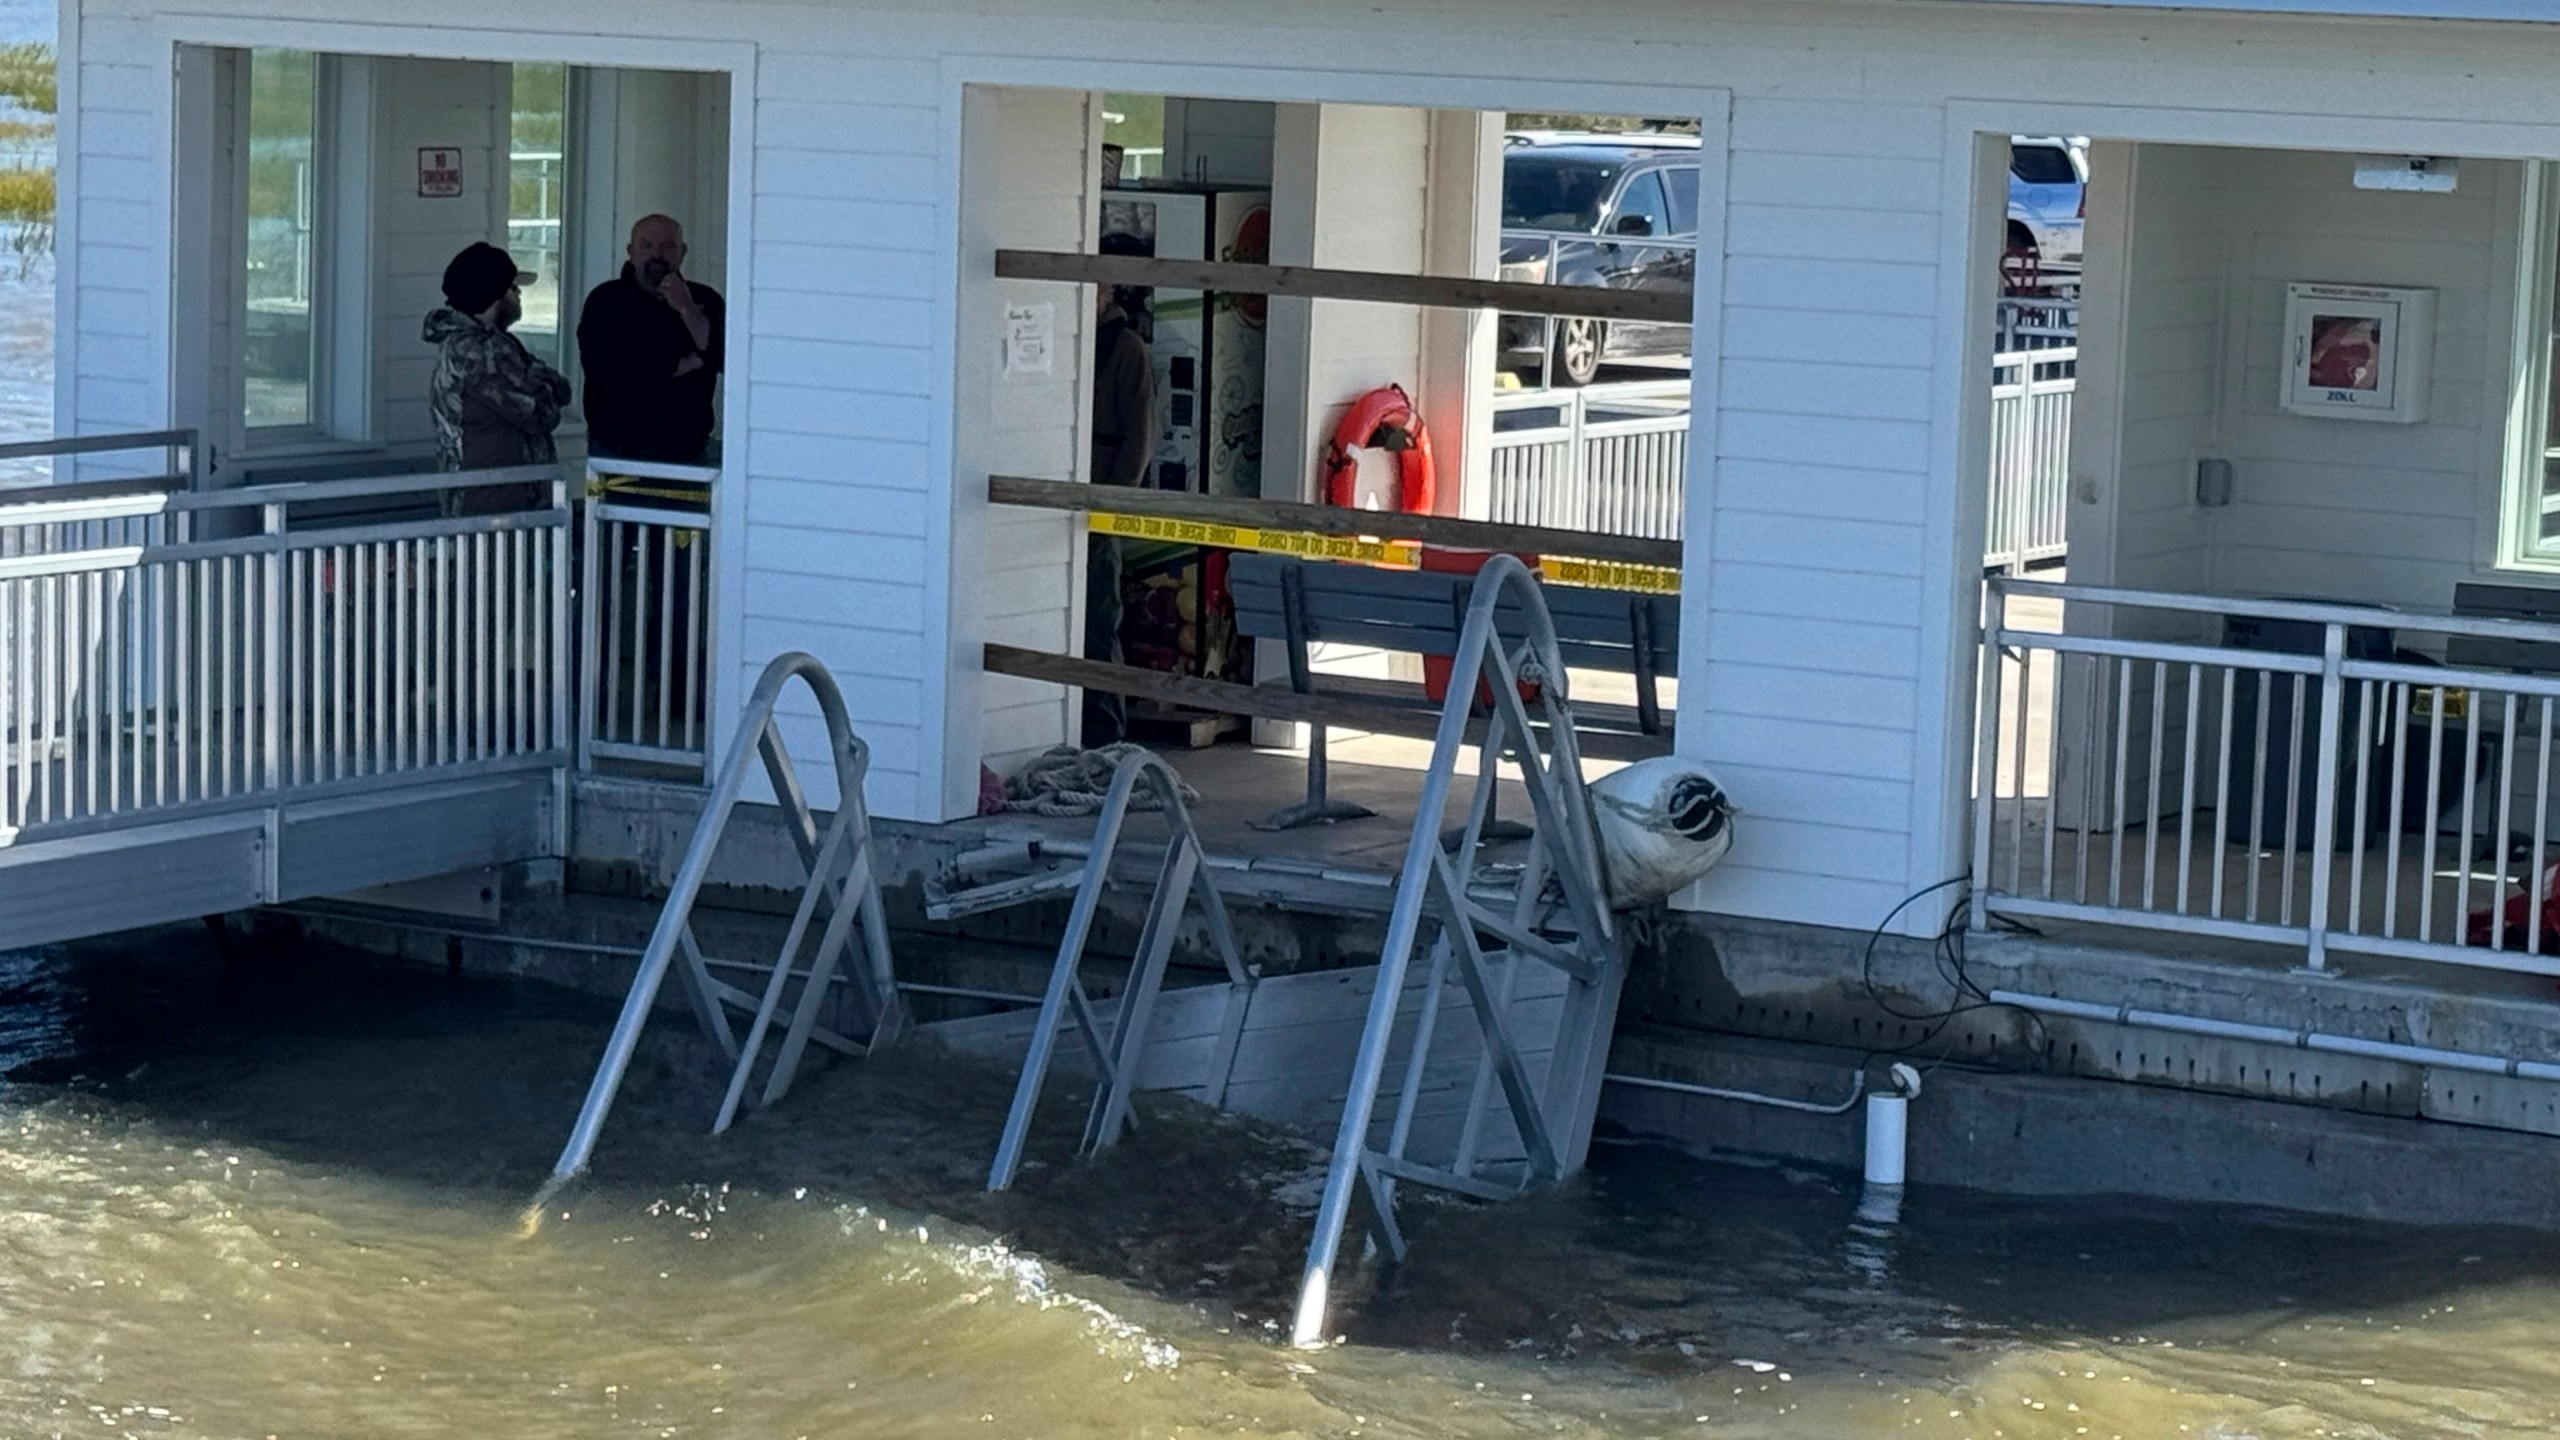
{"x":1207,"y":349}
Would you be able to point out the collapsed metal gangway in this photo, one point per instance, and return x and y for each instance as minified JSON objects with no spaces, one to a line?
{"x":841,"y":893}
{"x":1559,"y":918}
{"x":842,"y":885}
{"x":1522,"y":962}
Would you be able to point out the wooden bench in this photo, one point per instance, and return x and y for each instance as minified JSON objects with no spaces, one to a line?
{"x":1302,"y":603}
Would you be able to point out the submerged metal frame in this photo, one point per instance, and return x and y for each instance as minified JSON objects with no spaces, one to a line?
{"x":1554,"y":1118}
{"x":1118,"y":1056}
{"x":843,"y":883}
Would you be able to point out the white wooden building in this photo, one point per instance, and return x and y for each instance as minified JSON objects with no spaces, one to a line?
{"x":847,"y":169}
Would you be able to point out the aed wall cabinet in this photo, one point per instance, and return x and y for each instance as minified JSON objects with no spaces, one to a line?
{"x":2358,"y":352}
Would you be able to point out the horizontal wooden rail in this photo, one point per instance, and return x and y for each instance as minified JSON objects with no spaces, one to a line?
{"x":1331,"y":520}
{"x":1270,"y":702}
{"x":1668,"y":307}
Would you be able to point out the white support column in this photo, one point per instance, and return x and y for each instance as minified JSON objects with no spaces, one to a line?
{"x":1462,"y":235}
{"x":1030,"y":176}
{"x":1353,"y":187}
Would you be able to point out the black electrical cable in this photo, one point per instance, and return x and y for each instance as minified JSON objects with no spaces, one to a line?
{"x":1947,"y":957}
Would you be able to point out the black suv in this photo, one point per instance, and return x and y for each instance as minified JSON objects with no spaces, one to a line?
{"x":1611,"y":210}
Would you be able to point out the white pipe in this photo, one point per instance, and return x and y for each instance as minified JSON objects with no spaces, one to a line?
{"x":2303,"y":1039}
{"x":1888,"y":1122}
{"x":1857,"y":1088}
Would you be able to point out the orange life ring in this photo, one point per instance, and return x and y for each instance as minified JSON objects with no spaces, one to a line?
{"x":1385,"y":419}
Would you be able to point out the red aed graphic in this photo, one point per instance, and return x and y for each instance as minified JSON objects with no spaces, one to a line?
{"x":2346,"y":353}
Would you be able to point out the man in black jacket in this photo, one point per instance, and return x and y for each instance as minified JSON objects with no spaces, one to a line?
{"x":651,"y":345}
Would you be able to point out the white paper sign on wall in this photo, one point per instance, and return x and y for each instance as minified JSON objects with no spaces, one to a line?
{"x":439,"y":172}
{"x":1030,"y":337}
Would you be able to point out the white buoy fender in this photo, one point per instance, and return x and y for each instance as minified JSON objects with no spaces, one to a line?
{"x":1663,"y":823}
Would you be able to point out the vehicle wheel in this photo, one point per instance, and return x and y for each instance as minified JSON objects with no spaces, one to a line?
{"x":2021,"y":238}
{"x":1579,"y":342}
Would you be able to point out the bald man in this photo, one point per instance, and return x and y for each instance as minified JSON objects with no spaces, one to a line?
{"x":650,"y":343}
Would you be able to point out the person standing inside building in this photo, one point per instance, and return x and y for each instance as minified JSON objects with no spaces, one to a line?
{"x":494,"y":404}
{"x":1124,"y":448}
{"x":651,"y":345}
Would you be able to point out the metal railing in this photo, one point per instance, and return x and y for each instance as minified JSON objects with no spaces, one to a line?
{"x":2295,"y":773}
{"x":2032,"y":392}
{"x":2036,"y":322}
{"x":645,"y":631}
{"x":238,"y":648}
{"x":31,"y":471}
{"x":1612,"y":459}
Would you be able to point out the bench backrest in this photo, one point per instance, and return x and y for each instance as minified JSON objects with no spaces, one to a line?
{"x":1420,"y":612}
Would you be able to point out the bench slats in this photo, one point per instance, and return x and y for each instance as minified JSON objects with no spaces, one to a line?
{"x":1420,"y":611}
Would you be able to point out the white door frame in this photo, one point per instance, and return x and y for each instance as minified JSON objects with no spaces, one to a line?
{"x":955,"y":630}
{"x":168,"y":34}
{"x":1973,"y":203}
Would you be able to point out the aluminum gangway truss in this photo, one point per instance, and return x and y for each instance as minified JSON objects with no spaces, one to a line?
{"x":1118,"y":1051}
{"x":1558,"y":919}
{"x":842,"y":892}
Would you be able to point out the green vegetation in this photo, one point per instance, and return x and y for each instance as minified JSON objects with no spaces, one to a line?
{"x":29,"y":83}
{"x":282,"y":115}
{"x":28,"y":77}
{"x":1136,"y":122}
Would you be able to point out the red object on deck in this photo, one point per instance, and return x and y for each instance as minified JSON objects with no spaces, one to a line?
{"x":1436,"y":669}
{"x":2518,"y":924}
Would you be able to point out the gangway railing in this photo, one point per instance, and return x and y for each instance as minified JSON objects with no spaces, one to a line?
{"x":229,"y":650}
{"x":646,"y":617}
{"x":842,"y":888}
{"x":1559,"y":918}
{"x":1118,"y":1054}
{"x":31,"y":471}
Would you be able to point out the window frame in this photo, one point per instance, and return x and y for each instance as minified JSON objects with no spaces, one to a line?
{"x":2531,"y":452}
{"x":567,"y":275}
{"x":340,"y":412}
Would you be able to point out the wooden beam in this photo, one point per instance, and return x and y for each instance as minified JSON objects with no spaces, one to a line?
{"x":1270,"y":702}
{"x":1330,"y":520}
{"x":1668,"y":307}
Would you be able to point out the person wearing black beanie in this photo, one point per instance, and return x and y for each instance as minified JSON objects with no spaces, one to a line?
{"x":494,"y":404}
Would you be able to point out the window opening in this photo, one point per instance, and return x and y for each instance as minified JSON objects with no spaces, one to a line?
{"x":280,"y":349}
{"x":537,"y":195}
{"x":2530,"y":522}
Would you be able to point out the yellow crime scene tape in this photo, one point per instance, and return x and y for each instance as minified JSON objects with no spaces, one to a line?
{"x":1403,"y":554}
{"x":1609,"y":575}
{"x":1303,"y":543}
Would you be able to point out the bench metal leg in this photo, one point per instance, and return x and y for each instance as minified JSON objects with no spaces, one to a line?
{"x":1318,"y":808}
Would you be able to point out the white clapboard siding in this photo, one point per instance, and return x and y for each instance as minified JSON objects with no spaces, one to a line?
{"x":1825,"y":495}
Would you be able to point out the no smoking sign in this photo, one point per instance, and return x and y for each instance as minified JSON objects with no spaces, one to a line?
{"x":439,"y":172}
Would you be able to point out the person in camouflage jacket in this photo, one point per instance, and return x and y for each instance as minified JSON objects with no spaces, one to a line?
{"x":494,"y":404}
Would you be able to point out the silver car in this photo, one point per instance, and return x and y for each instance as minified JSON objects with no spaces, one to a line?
{"x":1619,"y":211}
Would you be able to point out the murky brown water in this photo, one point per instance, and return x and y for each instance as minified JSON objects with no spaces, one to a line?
{"x":283,"y":1203}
